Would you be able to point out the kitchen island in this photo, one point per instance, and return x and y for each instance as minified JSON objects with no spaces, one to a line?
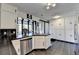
{"x":25,"y":45}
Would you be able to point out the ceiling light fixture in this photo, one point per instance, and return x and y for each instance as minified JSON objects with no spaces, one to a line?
{"x":53,"y":5}
{"x":50,"y":5}
{"x":47,"y":7}
{"x":55,"y":17}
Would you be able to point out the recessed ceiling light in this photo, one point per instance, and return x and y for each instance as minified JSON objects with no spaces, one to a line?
{"x":49,"y":4}
{"x":55,"y":17}
{"x":53,"y":5}
{"x":47,"y":7}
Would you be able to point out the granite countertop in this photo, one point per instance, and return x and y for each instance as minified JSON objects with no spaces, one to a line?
{"x":26,"y":38}
{"x":41,"y":34}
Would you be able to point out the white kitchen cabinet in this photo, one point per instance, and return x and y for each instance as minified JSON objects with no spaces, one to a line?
{"x":16,"y":44}
{"x":22,"y":46}
{"x":58,"y":23}
{"x":48,"y":42}
{"x":70,"y":28}
{"x":41,"y":42}
{"x":69,"y":23}
{"x":54,"y":34}
{"x":60,"y":35}
{"x":64,"y":29}
{"x":8,"y":17}
{"x":69,"y":36}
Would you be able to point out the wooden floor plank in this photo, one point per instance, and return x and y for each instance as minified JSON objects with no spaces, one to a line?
{"x":57,"y":48}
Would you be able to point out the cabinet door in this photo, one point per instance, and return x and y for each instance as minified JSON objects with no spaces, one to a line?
{"x":69,"y":23}
{"x":16,"y":45}
{"x":60,"y":35}
{"x":55,"y":24}
{"x":70,"y":36}
{"x":47,"y":42}
{"x":51,"y":30}
{"x":39,"y":42}
{"x":54,"y":34}
{"x":58,"y":23}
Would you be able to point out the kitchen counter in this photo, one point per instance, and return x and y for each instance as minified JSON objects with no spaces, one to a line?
{"x":41,"y":34}
{"x":26,"y":38}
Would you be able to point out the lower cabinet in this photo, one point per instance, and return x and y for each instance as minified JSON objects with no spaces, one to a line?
{"x":41,"y":42}
{"x":22,"y":46}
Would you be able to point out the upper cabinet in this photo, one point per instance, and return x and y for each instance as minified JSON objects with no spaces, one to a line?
{"x":58,"y":23}
{"x":8,"y":17}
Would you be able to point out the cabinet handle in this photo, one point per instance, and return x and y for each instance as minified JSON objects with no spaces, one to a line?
{"x":59,"y":34}
{"x":15,"y":21}
{"x":70,"y":35}
{"x":59,"y":24}
{"x":43,"y":43}
{"x":75,"y":39}
{"x":18,"y":50}
{"x":70,"y":22}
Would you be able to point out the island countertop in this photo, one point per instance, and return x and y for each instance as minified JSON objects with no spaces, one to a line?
{"x":41,"y":34}
{"x":25,"y":38}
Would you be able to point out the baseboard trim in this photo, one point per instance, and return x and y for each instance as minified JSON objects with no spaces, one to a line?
{"x":64,"y":41}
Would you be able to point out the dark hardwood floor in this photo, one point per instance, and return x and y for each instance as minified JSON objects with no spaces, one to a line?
{"x":57,"y":48}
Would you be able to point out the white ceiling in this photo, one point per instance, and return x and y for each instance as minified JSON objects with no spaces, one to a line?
{"x":37,"y":9}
